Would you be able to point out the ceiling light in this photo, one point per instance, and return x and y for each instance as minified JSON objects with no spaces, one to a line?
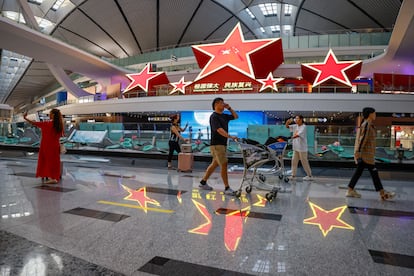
{"x":57,"y":5}
{"x":268,"y":9}
{"x":288,"y":10}
{"x":275,"y":28}
{"x":250,"y":13}
{"x":37,"y":2}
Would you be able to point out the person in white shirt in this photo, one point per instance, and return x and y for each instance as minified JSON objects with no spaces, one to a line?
{"x":300,"y":146}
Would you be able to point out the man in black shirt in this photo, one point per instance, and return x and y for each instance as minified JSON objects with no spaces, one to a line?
{"x":219,"y":124}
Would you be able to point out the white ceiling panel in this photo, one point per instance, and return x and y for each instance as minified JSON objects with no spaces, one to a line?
{"x":174,"y":17}
{"x":83,"y":26}
{"x":109,"y":17}
{"x":384,"y":12}
{"x":208,"y":18}
{"x":142,"y":16}
{"x":81,"y":43}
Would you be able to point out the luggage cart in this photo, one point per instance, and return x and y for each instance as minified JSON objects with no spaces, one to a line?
{"x":262,"y":161}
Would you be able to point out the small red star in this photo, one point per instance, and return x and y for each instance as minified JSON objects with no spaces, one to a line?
{"x":332,"y":69}
{"x":269,"y":82}
{"x":234,"y":52}
{"x":142,"y":78}
{"x":140,"y":196}
{"x":180,"y":86}
{"x":327,"y":220}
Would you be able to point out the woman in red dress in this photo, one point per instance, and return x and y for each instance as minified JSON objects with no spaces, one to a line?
{"x":48,"y":162}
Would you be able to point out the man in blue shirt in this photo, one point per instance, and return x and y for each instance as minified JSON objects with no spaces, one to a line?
{"x":219,"y":124}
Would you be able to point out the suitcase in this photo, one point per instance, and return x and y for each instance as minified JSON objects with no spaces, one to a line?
{"x":186,"y":148}
{"x":185,"y":162}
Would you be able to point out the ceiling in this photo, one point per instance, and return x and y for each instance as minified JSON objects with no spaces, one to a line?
{"x":123,"y":28}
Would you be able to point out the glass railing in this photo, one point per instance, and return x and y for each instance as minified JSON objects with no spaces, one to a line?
{"x":337,"y":144}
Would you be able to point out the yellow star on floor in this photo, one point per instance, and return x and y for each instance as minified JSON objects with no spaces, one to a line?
{"x":327,"y":220}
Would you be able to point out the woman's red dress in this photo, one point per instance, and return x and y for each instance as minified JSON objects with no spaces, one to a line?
{"x":48,"y":162}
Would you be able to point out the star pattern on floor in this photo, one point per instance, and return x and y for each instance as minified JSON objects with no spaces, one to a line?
{"x":327,"y":220}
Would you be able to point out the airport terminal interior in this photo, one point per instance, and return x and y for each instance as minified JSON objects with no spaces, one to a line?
{"x":120,"y":70}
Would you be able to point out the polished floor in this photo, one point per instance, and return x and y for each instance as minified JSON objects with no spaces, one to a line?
{"x":123,"y":216}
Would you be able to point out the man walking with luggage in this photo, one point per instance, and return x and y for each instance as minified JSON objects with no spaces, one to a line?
{"x":219,"y":125}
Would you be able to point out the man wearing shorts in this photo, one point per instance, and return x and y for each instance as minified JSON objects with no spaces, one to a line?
{"x":219,"y":124}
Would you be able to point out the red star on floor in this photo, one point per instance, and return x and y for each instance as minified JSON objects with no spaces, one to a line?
{"x":331,"y":70}
{"x":237,"y":53}
{"x":270,"y":82}
{"x":204,"y":228}
{"x":140,"y":196}
{"x":180,"y":86}
{"x":233,"y":229}
{"x":327,"y":220}
{"x":146,"y":79}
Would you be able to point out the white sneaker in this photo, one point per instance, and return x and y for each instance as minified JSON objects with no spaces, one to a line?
{"x":308,"y":178}
{"x":229,"y":191}
{"x":353,"y":193}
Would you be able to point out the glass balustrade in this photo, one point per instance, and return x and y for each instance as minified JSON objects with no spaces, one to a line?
{"x":327,"y":142}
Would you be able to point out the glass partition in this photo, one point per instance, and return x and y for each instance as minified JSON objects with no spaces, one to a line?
{"x":326,"y":141}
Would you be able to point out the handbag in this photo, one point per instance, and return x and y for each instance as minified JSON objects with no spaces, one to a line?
{"x":62,"y":149}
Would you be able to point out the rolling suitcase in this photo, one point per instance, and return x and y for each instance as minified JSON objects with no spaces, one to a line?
{"x":185,"y":162}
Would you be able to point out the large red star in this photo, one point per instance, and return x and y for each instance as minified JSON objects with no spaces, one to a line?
{"x":331,"y":70}
{"x":179,"y":86}
{"x":269,"y":82}
{"x":140,"y":196}
{"x":234,"y":52}
{"x":327,"y":220}
{"x":143,"y":78}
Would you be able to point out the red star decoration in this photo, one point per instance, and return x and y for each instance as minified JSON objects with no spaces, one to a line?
{"x":237,"y":53}
{"x":146,"y":79}
{"x":204,"y":228}
{"x":180,"y":86}
{"x":140,"y":196}
{"x":270,"y":82}
{"x":331,"y":70}
{"x":233,"y":229}
{"x":327,"y":220}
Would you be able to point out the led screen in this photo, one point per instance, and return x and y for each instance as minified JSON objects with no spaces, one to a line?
{"x":199,"y":122}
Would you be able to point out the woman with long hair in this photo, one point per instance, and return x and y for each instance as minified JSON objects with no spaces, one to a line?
{"x":175,"y":137}
{"x":48,"y":162}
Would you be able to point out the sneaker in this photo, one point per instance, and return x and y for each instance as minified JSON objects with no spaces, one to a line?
{"x":387,"y":195}
{"x":308,"y":178}
{"x":204,"y":186}
{"x":292,"y":177}
{"x":353,"y":193}
{"x":229,"y":191}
